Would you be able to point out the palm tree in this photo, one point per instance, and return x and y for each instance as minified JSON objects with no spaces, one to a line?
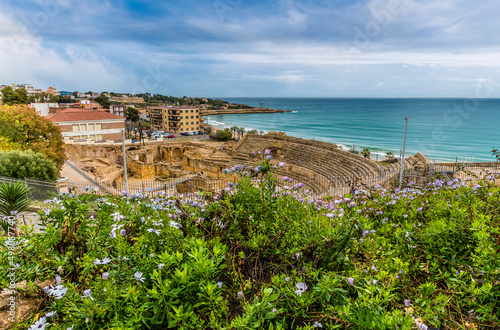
{"x":14,"y":198}
{"x":241,"y":132}
{"x":234,"y":129}
{"x":389,"y":154}
{"x":366,"y":152}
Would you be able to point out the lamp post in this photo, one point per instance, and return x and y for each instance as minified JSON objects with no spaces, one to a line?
{"x":125,"y":164}
{"x":403,"y":155}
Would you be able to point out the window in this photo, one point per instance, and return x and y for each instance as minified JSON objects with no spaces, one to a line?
{"x":98,"y":127}
{"x":99,"y":137}
{"x":75,"y":128}
{"x":180,"y":112}
{"x":197,"y":123}
{"x":83,"y":128}
{"x":192,"y":117}
{"x":197,"y":116}
{"x":182,"y":129}
{"x":197,"y":111}
{"x":192,"y":123}
{"x":192,"y":111}
{"x":92,"y":137}
{"x":91,"y":127}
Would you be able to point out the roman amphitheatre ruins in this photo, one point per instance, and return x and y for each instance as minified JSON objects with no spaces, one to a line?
{"x":322,"y":167}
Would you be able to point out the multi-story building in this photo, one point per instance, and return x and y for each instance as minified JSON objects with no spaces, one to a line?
{"x":80,"y":125}
{"x":176,"y":119}
{"x":118,"y":109}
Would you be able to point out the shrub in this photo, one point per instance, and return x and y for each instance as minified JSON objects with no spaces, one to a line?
{"x":223,"y":135}
{"x":27,"y":164}
{"x":264,"y":256}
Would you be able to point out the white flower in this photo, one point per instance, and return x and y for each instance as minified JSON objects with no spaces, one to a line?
{"x":156,"y":231}
{"x":58,"y":279}
{"x":104,"y":261}
{"x":138,"y":276}
{"x":301,"y":286}
{"x":59,"y":269}
{"x":40,"y":324}
{"x":219,"y":285}
{"x":112,"y":234}
{"x":174,"y":224}
{"x":58,"y":291}
{"x":317,"y":325}
{"x":87,"y":294}
{"x":50,"y":314}
{"x":70,"y":328}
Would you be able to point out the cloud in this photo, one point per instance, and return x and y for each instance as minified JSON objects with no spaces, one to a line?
{"x":27,"y":59}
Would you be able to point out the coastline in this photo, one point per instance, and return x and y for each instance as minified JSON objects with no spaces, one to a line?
{"x":215,"y":112}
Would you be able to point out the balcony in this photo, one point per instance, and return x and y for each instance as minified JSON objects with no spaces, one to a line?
{"x":173,"y":112}
{"x":173,"y":119}
{"x":174,"y":125}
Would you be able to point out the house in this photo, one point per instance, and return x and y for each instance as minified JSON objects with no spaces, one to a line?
{"x":52,"y":91}
{"x":176,"y":119}
{"x":90,"y":105}
{"x":43,"y":109}
{"x":80,"y":125}
{"x":119,"y":110}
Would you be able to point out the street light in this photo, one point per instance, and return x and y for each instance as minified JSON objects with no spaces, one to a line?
{"x":403,"y":155}
{"x":125,"y":163}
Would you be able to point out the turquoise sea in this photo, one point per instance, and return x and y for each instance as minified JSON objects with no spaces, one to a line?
{"x":441,"y":129}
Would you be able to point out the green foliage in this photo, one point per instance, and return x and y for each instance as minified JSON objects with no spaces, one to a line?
{"x":11,"y":96}
{"x":132,"y":114}
{"x":496,"y":153}
{"x":389,"y":154}
{"x":27,"y":164}
{"x":264,"y":256}
{"x":14,"y":198}
{"x":103,"y":100}
{"x":22,"y":128}
{"x":223,"y":135}
{"x":366,"y":152}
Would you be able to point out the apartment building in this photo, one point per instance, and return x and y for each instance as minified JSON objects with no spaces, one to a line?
{"x":80,"y":125}
{"x":176,"y":119}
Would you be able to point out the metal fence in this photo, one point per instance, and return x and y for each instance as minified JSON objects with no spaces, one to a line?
{"x":40,"y":190}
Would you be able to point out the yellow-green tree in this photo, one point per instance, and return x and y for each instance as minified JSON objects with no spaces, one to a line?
{"x":22,"y":128}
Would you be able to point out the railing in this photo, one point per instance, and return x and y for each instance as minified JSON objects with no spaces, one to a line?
{"x":40,"y":190}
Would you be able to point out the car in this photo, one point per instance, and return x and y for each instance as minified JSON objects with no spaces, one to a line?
{"x":201,"y":132}
{"x":195,"y":132}
{"x":190,"y":133}
{"x":169,"y":136}
{"x":185,"y":133}
{"x":212,"y":136}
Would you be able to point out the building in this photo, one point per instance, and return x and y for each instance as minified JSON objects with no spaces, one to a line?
{"x":119,"y":110}
{"x":81,"y":125}
{"x":43,"y":109}
{"x":175,"y":119}
{"x":90,"y":105}
{"x":127,"y":99}
{"x":52,"y":91}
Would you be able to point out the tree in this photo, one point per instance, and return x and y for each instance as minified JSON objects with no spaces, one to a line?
{"x":11,"y":96}
{"x":209,"y":130}
{"x":389,"y":154}
{"x":234,"y":129}
{"x":366,"y":153}
{"x":241,"y":132}
{"x":253,"y":131}
{"x":223,"y":135}
{"x":103,"y":101}
{"x":27,"y":164}
{"x":25,"y":129}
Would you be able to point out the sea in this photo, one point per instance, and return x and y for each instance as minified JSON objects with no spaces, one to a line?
{"x":444,"y":130}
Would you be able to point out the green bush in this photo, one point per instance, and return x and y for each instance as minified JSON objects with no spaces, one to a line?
{"x":264,"y":256}
{"x":27,"y":164}
{"x":223,"y":135}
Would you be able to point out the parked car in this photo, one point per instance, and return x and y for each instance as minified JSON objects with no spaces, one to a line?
{"x":185,"y":133}
{"x":195,"y":133}
{"x":201,"y":132}
{"x":212,"y":136}
{"x":190,"y":133}
{"x":169,"y":136}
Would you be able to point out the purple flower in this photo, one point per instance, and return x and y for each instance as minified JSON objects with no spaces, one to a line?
{"x":296,"y":256}
{"x":407,"y":302}
{"x":240,"y":295}
{"x":374,"y":268}
{"x":160,"y":266}
{"x":219,"y":285}
{"x":267,"y":152}
{"x":269,"y":157}
{"x":123,"y":232}
{"x":105,"y":275}
{"x":287,"y":279}
{"x":350,"y":280}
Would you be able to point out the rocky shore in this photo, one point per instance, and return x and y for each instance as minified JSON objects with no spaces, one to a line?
{"x":213,"y":112}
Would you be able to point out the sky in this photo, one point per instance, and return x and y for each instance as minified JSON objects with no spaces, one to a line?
{"x":254,"y":48}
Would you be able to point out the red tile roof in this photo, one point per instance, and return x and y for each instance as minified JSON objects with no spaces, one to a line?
{"x":73,"y":114}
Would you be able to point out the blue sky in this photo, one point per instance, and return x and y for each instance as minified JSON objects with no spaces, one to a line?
{"x":322,"y":48}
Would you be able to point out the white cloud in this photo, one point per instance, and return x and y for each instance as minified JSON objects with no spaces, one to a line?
{"x":26,"y":59}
